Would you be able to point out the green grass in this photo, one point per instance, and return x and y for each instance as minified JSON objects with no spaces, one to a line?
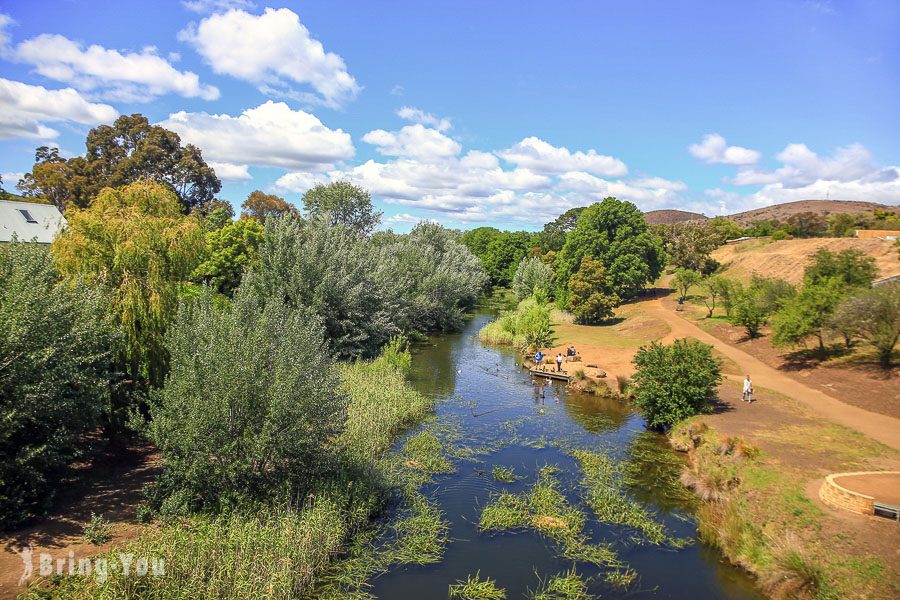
{"x":476,"y":588}
{"x":98,"y":531}
{"x":564,"y":586}
{"x":504,"y":474}
{"x":527,"y":327}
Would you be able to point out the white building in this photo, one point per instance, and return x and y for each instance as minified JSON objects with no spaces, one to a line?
{"x":29,"y":222}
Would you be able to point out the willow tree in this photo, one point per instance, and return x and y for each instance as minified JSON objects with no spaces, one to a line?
{"x":135,"y":242}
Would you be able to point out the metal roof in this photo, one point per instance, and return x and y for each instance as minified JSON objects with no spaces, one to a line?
{"x":48,"y":221}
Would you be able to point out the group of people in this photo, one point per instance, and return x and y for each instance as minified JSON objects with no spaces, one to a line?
{"x":570,"y":354}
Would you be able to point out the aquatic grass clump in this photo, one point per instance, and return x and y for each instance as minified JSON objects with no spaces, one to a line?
{"x":564,"y":586}
{"x":421,"y":534}
{"x":476,"y":588}
{"x":527,"y":327}
{"x":606,"y":496}
{"x":621,"y":579}
{"x":423,"y":455}
{"x":545,"y":509}
{"x":504,"y":474}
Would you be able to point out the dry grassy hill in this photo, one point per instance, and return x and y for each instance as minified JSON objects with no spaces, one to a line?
{"x":787,"y":259}
{"x":781,"y":212}
{"x":671,"y":216}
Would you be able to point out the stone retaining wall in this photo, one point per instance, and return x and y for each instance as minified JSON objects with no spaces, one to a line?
{"x":837,"y":496}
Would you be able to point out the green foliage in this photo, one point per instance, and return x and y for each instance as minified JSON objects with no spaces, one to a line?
{"x":564,"y":586}
{"x":527,"y":327}
{"x":229,"y":252}
{"x":843,"y":224}
{"x":723,"y":229}
{"x":684,"y":280}
{"x":532,"y":276}
{"x":807,"y":224}
{"x":589,"y":297}
{"x":715,"y":288}
{"x":503,"y":255}
{"x":217,"y":218}
{"x":674,"y":382}
{"x":615,"y":233}
{"x":854,"y":268}
{"x":504,"y":474}
{"x":259,"y":206}
{"x":780,"y":234}
{"x":342,"y":203}
{"x":55,"y":370}
{"x":689,"y":245}
{"x":875,"y":315}
{"x":98,"y":531}
{"x":396,"y":354}
{"x":129,"y":151}
{"x":553,"y":237}
{"x":476,"y":588}
{"x":752,"y":306}
{"x":250,"y":402}
{"x":762,"y":228}
{"x":135,"y":243}
{"x":808,"y":313}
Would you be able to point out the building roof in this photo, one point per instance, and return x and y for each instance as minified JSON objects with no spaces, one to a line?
{"x":29,"y":222}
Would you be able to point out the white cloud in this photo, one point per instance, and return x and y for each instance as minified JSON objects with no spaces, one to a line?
{"x":404,"y":218}
{"x":230,"y":172}
{"x":5,"y":21}
{"x":10,"y":179}
{"x":416,"y":115}
{"x":270,"y":135}
{"x":273,"y":50}
{"x":24,"y":110}
{"x":802,"y":167}
{"x":398,"y":90}
{"x":715,"y":150}
{"x":539,"y":156}
{"x":413,"y":141}
{"x":109,"y":74}
{"x":210,"y":6}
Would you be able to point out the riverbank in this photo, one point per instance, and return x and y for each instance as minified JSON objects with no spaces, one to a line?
{"x":759,"y":467}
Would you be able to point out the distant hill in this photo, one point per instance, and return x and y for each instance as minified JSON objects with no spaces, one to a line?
{"x":670,"y":216}
{"x":781,"y":212}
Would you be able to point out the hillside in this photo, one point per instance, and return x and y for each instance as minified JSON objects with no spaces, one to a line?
{"x":823,"y":207}
{"x":670,"y":216}
{"x":787,"y":259}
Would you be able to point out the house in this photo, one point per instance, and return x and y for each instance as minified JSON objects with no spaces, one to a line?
{"x":29,"y":222}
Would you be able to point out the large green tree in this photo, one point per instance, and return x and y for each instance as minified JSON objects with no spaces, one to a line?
{"x":228,"y":253}
{"x":342,"y":203}
{"x":615,"y":233}
{"x":259,"y":206}
{"x":553,"y":237}
{"x":532,"y":276}
{"x":808,"y":313}
{"x":55,"y":368}
{"x":503,"y":255}
{"x":134,"y":242}
{"x":853,"y":267}
{"x":590,"y":298}
{"x":130,"y":150}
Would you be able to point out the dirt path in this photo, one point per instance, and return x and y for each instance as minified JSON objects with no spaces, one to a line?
{"x":882,"y":428}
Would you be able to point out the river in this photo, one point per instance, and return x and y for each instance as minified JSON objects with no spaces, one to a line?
{"x":492,"y":404}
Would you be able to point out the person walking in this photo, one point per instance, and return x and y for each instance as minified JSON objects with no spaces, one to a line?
{"x":538,"y":358}
{"x":559,"y":360}
{"x":747,"y":393}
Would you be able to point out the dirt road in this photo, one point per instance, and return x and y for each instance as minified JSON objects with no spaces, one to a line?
{"x":883,"y":428}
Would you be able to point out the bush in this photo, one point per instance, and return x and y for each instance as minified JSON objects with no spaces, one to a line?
{"x":684,"y":280}
{"x":853,"y":267}
{"x":674,"y":382}
{"x":807,"y":314}
{"x":875,"y":314}
{"x":780,"y":234}
{"x":248,"y":408}
{"x":527,"y":327}
{"x":532,"y":276}
{"x":55,"y":369}
{"x":589,"y":297}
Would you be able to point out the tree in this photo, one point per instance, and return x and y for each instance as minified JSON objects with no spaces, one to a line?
{"x":532,"y":275}
{"x":807,"y":224}
{"x":218,"y":218}
{"x":250,"y":406}
{"x":344,"y":203}
{"x":553,"y":237}
{"x":690,"y":245}
{"x":853,"y":267}
{"x":762,"y":228}
{"x":723,"y":229}
{"x":875,"y":314}
{"x":808,"y":313}
{"x":616,"y":234}
{"x":229,"y":252}
{"x":684,"y":280}
{"x":749,"y":309}
{"x":128,"y":151}
{"x":259,"y":206}
{"x":674,"y":382}
{"x":589,"y":297}
{"x":842,"y":224}
{"x":477,"y":240}
{"x":55,"y":369}
{"x":4,"y":195}
{"x":134,"y":242}
{"x":715,"y":287}
{"x":503,"y":255}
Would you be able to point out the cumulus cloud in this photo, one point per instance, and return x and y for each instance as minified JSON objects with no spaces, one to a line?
{"x":715,"y":150}
{"x":109,"y":74}
{"x":24,"y":110}
{"x":211,"y":6}
{"x":5,"y":22}
{"x":270,"y":135}
{"x":413,"y":141}
{"x":802,"y":167}
{"x":230,"y":172}
{"x":539,"y":156}
{"x":416,"y":115}
{"x":275,"y":51}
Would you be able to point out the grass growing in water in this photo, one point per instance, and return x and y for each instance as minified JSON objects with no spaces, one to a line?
{"x":476,"y":588}
{"x":564,"y":586}
{"x":527,"y":327}
{"x":545,"y":509}
{"x":504,"y":474}
{"x":605,"y":494}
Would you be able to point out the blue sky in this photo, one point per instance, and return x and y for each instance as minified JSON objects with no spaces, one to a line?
{"x":470,"y":113}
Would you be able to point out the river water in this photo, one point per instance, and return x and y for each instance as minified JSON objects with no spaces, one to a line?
{"x":492,"y":404}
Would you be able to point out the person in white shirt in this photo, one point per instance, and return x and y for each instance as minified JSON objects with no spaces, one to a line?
{"x":747,"y":394}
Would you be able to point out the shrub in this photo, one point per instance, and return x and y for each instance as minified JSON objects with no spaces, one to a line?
{"x":248,"y":407}
{"x":807,"y":314}
{"x":55,"y":369}
{"x":684,"y":280}
{"x":589,"y":298}
{"x":532,"y":276}
{"x":98,"y":531}
{"x":527,"y":327}
{"x":674,"y":382}
{"x":853,"y":267}
{"x":875,"y":314}
{"x":230,"y":251}
{"x":780,"y":234}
